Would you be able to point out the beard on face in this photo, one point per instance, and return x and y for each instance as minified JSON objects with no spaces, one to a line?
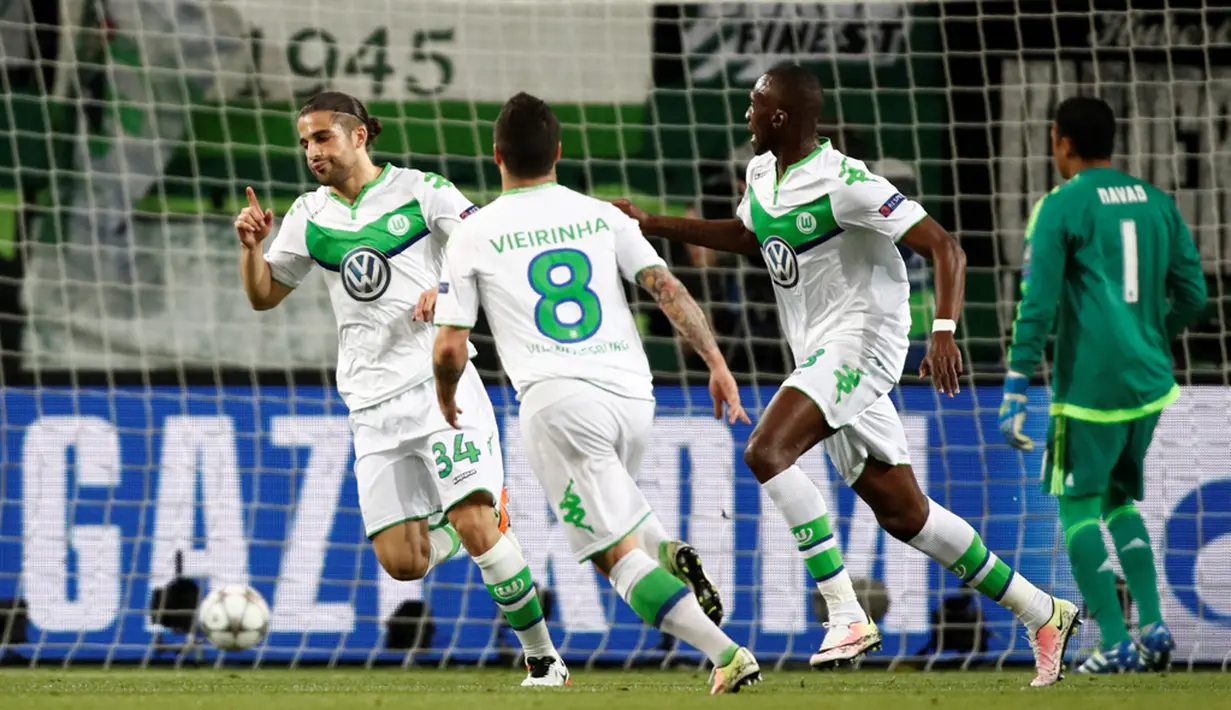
{"x":334,"y":173}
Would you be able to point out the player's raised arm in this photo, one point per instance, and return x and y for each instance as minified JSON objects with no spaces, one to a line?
{"x":264,"y":288}
{"x":1185,"y":280}
{"x":944,"y":358}
{"x":728,"y":235}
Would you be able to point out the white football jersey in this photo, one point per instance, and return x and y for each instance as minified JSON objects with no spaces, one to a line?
{"x":828,"y":231}
{"x":545,"y":263}
{"x":379,"y":255}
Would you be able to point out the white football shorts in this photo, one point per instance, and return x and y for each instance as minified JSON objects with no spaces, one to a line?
{"x":850,"y":379}
{"x":410,"y":464}
{"x":585,"y":446}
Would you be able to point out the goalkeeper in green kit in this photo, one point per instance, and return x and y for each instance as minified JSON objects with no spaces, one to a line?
{"x":1109,"y":261}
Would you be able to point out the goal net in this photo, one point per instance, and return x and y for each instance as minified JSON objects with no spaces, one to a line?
{"x":156,"y":433}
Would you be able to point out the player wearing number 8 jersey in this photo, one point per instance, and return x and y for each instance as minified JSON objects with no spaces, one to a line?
{"x":1111,"y":263}
{"x":546,"y":264}
{"x":425,"y":487}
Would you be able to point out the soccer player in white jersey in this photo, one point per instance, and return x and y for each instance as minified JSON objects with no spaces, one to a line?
{"x":546,"y":263}
{"x":827,"y":229}
{"x":378,"y":233}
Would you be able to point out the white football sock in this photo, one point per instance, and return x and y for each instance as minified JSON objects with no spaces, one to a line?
{"x":953,"y":543}
{"x":509,"y":583}
{"x":804,"y":509}
{"x":663,"y":601}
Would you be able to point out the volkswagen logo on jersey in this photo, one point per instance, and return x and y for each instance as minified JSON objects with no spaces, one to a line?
{"x":365,"y":273}
{"x":805,"y":223}
{"x":781,"y":261}
{"x":398,"y":225}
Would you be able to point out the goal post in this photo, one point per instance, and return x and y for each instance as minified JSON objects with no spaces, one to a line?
{"x":153,"y":427}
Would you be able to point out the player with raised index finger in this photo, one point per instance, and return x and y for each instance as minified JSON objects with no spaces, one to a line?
{"x":379,"y":233}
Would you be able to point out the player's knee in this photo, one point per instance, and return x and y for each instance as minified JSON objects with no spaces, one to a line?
{"x":405,"y":567}
{"x":903,"y":517}
{"x":475,"y":522}
{"x":405,"y":559}
{"x":764,"y":459}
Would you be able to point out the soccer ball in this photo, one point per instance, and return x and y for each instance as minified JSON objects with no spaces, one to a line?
{"x":234,"y":617}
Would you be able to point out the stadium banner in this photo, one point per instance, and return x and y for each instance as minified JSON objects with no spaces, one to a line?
{"x":866,"y":54}
{"x":131,"y":257}
{"x":1160,"y":65}
{"x":103,"y":487}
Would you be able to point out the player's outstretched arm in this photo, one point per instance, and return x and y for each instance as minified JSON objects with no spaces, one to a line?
{"x":684,"y":313}
{"x":252,"y":226}
{"x":944,"y":358}
{"x":728,"y":235}
{"x":449,"y":358}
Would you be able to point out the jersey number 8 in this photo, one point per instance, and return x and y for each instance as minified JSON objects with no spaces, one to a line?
{"x":573,"y":288}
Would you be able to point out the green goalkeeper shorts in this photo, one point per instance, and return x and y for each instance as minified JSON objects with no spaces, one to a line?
{"x":1090,"y":459}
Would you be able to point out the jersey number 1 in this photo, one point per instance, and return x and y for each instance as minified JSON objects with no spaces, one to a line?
{"x":573,"y":288}
{"x":1128,"y":247}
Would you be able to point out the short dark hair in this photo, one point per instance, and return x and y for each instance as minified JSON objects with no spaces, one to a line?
{"x":344,"y":107}
{"x":1089,"y":124}
{"x":527,"y":134}
{"x":799,"y":90}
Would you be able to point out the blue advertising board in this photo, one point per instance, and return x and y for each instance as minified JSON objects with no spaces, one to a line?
{"x":101,"y":487}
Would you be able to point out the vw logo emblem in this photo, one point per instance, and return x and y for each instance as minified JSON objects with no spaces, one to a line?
{"x":805,"y":223}
{"x":781,"y":261}
{"x":365,"y":274}
{"x":398,"y":225}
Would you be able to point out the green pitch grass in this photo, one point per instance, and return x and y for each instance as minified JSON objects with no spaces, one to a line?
{"x":473,"y":689}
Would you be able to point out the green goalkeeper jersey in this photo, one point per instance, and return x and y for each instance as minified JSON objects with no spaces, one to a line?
{"x":1111,"y":263}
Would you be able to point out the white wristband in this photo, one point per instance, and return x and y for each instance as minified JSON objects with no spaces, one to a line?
{"x":944,"y":325}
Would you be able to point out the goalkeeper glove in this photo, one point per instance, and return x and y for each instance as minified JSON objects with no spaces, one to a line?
{"x":1013,"y":411}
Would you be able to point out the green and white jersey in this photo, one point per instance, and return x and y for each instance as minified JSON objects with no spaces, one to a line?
{"x":828,"y":231}
{"x":545,"y":263}
{"x":379,"y":255}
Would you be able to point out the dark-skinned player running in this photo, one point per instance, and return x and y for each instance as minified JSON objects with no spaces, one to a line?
{"x":827,"y":229}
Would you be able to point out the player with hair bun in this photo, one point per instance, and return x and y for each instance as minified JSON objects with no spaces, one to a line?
{"x":379,"y":232}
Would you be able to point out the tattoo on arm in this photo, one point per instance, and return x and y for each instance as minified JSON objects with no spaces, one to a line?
{"x":680,"y":309}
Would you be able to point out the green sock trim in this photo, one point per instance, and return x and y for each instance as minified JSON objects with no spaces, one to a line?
{"x":511,"y":596}
{"x":825,"y":565}
{"x":513,"y":589}
{"x":655,"y":594}
{"x":457,"y":541}
{"x":528,"y":615}
{"x":812,"y":533}
{"x":996,"y":581}
{"x":972,"y":560}
{"x":1114,"y":515}
{"x":728,"y":655}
